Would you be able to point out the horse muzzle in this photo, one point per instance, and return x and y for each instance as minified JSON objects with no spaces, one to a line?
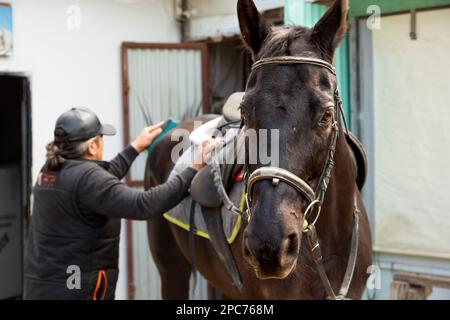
{"x":272,"y":257}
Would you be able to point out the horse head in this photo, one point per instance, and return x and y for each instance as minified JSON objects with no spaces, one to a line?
{"x":300,"y":101}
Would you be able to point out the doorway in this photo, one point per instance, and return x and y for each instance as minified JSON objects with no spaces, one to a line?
{"x":229,"y":67}
{"x":15,"y":180}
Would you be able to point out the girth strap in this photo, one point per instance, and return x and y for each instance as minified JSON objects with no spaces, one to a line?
{"x":214,"y":225}
{"x":192,"y":231}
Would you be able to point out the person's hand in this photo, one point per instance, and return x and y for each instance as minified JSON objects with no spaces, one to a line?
{"x":204,"y":153}
{"x":146,"y":137}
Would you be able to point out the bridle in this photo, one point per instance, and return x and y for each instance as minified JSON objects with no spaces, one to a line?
{"x":316,"y":197}
{"x":276,"y":175}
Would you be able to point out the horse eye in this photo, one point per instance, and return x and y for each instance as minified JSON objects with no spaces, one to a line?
{"x":326,"y":118}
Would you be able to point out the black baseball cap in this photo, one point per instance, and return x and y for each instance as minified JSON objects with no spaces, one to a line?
{"x":80,"y":124}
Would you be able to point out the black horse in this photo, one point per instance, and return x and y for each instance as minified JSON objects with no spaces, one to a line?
{"x":300,"y":100}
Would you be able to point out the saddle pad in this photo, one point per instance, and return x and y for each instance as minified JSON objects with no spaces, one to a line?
{"x":180,"y":214}
{"x":231,"y":222}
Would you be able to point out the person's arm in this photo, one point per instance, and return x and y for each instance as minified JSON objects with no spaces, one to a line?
{"x":120,"y":165}
{"x":102,"y":193}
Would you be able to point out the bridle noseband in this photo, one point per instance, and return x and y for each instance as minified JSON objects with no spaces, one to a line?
{"x":316,"y":197}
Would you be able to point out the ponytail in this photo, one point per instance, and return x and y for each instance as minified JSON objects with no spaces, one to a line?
{"x":58,"y":152}
{"x":54,"y":157}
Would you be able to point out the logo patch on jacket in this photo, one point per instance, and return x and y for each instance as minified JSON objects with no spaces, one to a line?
{"x":47,"y":179}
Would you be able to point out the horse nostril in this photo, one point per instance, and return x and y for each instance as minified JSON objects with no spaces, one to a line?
{"x":292,"y":246}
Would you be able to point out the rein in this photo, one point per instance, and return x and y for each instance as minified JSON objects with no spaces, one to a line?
{"x":316,"y":197}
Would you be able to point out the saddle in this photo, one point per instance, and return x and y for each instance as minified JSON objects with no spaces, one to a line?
{"x":208,"y":217}
{"x":205,"y":185}
{"x":211,"y":203}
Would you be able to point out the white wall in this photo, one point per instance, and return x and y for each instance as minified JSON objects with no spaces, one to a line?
{"x":216,"y":18}
{"x":204,"y":8}
{"x":81,"y":67}
{"x":393,"y":95}
{"x":411,"y":139}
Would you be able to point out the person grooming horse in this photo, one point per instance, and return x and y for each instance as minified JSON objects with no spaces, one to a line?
{"x":73,"y":241}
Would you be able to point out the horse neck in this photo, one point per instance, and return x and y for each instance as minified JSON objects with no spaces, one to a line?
{"x":336,"y":220}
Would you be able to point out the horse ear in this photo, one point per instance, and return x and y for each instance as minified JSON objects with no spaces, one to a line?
{"x":254,"y":28}
{"x":331,"y":28}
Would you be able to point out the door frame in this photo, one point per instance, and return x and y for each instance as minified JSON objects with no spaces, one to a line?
{"x":26,"y":162}
{"x":203,"y":48}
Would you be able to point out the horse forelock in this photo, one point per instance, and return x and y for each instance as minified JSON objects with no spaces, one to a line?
{"x":290,"y":41}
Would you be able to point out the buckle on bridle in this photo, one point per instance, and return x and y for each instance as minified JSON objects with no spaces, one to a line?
{"x":308,"y":211}
{"x":247,"y":211}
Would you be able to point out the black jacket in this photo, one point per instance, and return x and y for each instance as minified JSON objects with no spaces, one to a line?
{"x":75,"y":225}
